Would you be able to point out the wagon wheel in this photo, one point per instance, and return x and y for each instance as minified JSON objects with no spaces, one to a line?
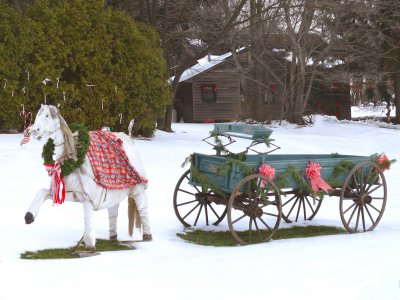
{"x":254,"y":210}
{"x":363,"y":197}
{"x":297,"y":204}
{"x":194,"y":206}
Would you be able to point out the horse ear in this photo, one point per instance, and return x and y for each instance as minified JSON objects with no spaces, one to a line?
{"x":53,"y":111}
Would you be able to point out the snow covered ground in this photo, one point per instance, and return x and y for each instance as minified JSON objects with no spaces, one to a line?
{"x":350,"y":266}
{"x":369,"y":110}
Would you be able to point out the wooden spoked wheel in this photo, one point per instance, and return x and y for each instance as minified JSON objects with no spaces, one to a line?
{"x":363,"y":197}
{"x":297,"y":204}
{"x":196,"y":207}
{"x":254,"y":210}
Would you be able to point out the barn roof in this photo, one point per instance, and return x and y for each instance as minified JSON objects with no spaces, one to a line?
{"x":204,"y":64}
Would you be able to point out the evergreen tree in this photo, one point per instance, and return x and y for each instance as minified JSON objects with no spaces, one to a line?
{"x":98,"y":65}
{"x":16,"y":43}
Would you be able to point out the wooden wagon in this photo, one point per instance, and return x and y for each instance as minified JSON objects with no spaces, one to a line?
{"x":231,"y":185}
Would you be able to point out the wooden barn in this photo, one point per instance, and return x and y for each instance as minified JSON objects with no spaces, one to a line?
{"x":210,"y":90}
{"x":332,"y":100}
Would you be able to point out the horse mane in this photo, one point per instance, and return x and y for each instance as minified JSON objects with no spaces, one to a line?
{"x":69,"y":140}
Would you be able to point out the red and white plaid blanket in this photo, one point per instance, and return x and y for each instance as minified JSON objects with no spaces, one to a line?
{"x":109,"y":162}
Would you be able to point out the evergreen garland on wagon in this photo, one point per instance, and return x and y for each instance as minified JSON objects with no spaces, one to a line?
{"x":342,"y":167}
{"x":82,"y":147}
{"x":206,"y":183}
{"x":282,"y":181}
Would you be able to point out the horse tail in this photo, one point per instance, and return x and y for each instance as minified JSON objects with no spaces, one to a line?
{"x":133,"y":215}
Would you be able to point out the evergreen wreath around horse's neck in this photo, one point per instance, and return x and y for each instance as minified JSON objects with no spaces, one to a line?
{"x":82,"y":147}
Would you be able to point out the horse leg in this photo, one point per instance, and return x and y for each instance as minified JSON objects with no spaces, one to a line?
{"x":112,"y":218}
{"x":89,"y":234}
{"x":142,"y":207}
{"x":37,"y":202}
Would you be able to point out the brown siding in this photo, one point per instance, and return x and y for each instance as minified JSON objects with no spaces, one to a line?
{"x":227,"y":105}
{"x":332,"y":101}
{"x":184,"y":102}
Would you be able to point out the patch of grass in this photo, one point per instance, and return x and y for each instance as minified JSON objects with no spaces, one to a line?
{"x":307,"y":231}
{"x":224,"y":238}
{"x":66,"y":253}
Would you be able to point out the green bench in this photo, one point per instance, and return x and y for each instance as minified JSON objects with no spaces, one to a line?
{"x":245,"y":131}
{"x":257,"y":134}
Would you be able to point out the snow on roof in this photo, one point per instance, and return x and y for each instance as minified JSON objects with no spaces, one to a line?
{"x":327,"y":63}
{"x":204,"y":64}
{"x":330,"y":63}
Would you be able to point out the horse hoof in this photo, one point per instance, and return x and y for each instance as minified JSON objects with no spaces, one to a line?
{"x":29,"y":218}
{"x":147,"y":237}
{"x":113,"y":238}
{"x":91,"y":249}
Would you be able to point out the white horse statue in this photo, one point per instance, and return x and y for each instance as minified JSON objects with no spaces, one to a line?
{"x":80,"y":185}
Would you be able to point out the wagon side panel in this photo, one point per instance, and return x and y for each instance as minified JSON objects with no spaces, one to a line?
{"x":210,"y":170}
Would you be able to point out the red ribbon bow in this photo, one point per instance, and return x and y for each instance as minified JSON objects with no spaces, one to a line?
{"x":268,"y":171}
{"x":383,"y":162}
{"x":313,"y":173}
{"x":57,"y":185}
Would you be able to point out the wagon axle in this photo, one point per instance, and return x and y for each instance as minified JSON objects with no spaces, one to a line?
{"x":207,"y":198}
{"x":254,"y":212}
{"x":364,"y":199}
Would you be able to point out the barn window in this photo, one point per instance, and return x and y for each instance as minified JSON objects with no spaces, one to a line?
{"x":209,"y":92}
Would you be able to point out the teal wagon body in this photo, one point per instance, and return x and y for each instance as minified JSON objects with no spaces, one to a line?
{"x":230,"y":184}
{"x":226,"y":173}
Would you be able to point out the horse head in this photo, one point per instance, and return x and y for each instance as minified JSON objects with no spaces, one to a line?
{"x":47,"y":121}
